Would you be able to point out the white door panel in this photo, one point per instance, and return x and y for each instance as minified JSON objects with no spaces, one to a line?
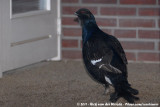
{"x":29,"y":37}
{"x":32,"y":27}
{"x":29,"y":53}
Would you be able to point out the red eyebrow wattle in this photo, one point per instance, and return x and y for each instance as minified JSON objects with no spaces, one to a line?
{"x":83,"y":12}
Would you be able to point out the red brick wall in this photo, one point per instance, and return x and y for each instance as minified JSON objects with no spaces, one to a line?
{"x":134,"y":22}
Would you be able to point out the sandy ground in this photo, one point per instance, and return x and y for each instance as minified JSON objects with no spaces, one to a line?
{"x":66,"y":84}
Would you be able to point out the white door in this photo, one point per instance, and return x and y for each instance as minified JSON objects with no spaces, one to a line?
{"x":28,"y":32}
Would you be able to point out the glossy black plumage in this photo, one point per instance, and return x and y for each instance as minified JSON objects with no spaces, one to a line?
{"x":104,"y":58}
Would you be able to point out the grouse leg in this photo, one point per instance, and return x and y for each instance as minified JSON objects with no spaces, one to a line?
{"x":106,"y":89}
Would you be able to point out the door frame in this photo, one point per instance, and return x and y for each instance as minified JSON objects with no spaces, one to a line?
{"x":59,"y":32}
{"x":1,"y":42}
{"x":5,"y":35}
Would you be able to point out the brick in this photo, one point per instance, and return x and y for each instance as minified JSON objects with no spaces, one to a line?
{"x":125,"y":33}
{"x":118,"y":11}
{"x":138,"y":2}
{"x":106,"y":22}
{"x":149,"y":11}
{"x":159,"y":45}
{"x":137,"y":45}
{"x":70,"y":1}
{"x":100,"y":1}
{"x":150,"y":34}
{"x":69,"y":43}
{"x":69,"y":21}
{"x":159,"y":23}
{"x":130,"y":56}
{"x":137,"y":23}
{"x":71,"y":54}
{"x":72,"y":10}
{"x":72,"y":31}
{"x":149,"y":56}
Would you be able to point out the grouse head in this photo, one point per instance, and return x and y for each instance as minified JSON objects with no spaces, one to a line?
{"x":84,"y":16}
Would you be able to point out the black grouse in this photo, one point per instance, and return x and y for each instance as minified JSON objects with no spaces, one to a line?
{"x":104,"y":58}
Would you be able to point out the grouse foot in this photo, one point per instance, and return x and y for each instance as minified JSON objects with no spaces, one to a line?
{"x":114,"y":97}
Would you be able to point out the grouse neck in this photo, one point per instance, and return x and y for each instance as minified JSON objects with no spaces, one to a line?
{"x":88,"y":30}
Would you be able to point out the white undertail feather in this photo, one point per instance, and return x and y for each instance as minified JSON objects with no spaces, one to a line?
{"x":96,"y":61}
{"x":108,"y":80}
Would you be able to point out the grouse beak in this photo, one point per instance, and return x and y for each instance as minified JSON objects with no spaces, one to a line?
{"x":76,"y":13}
{"x":76,"y":19}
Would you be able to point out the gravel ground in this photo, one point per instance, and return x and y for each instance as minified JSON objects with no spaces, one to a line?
{"x":66,"y":84}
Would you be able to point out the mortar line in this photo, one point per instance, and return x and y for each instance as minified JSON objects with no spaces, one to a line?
{"x":80,"y":2}
{"x":144,"y":51}
{"x":117,"y":21}
{"x":115,"y":27}
{"x":156,"y":23}
{"x":156,"y":2}
{"x":120,"y":17}
{"x":118,"y":2}
{"x":138,"y":40}
{"x":109,"y":5}
{"x":156,"y":45}
{"x":137,"y":12}
{"x":71,"y":49}
{"x":136,"y":55}
{"x":98,"y":10}
{"x":79,"y":43}
{"x":71,"y":38}
{"x":137,"y":35}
